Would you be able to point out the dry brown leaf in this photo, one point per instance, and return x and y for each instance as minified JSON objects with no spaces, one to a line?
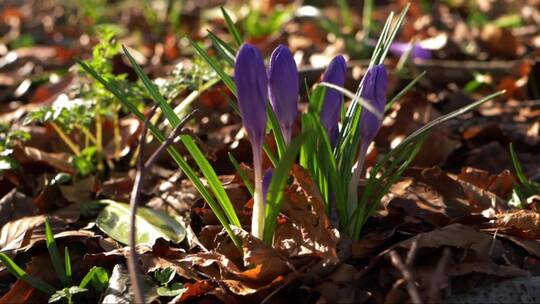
{"x":19,"y":234}
{"x":59,"y":161}
{"x":305,"y":230}
{"x":531,"y":246}
{"x":455,"y":235}
{"x":500,"y":185}
{"x":342,"y":284}
{"x":20,"y":292}
{"x":81,"y":191}
{"x":428,"y":194}
{"x":15,"y":205}
{"x":524,"y":223}
{"x":194,"y":290}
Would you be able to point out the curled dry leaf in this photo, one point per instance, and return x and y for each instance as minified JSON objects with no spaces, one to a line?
{"x":19,"y":234}
{"x":264,"y":266}
{"x":305,"y":230}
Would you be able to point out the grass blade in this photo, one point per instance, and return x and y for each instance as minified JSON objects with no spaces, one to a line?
{"x":442,"y":119}
{"x":519,"y":171}
{"x":224,"y":50}
{"x":184,"y":166}
{"x":54,"y":254}
{"x":17,"y":271}
{"x":394,"y":32}
{"x":67,"y":264}
{"x":189,"y":143}
{"x":277,"y":187}
{"x":242,"y":174}
{"x":406,"y":89}
{"x":276,"y":130}
{"x":233,"y":30}
{"x":226,"y":78}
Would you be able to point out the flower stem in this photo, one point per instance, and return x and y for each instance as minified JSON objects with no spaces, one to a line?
{"x":99,"y":139}
{"x":116,"y":136}
{"x":87,"y":133}
{"x":65,"y":138}
{"x":257,"y":219}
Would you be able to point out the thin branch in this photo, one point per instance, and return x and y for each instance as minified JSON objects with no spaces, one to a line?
{"x":142,"y":167}
{"x":133,"y":202}
{"x":174,"y":134}
{"x":439,"y":278}
{"x":407,"y":276}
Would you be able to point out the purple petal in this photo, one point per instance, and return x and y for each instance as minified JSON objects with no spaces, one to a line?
{"x":331,"y":109}
{"x":251,"y":88}
{"x":400,"y":48}
{"x":373,"y":92}
{"x":283,"y":88}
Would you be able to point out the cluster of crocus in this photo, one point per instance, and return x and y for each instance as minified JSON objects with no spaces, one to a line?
{"x":253,"y":87}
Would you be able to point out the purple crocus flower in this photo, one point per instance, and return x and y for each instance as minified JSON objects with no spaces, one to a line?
{"x":283,"y":89}
{"x":400,"y":48}
{"x":331,"y":109}
{"x":252,"y":92}
{"x":373,"y":92}
{"x":251,"y":88}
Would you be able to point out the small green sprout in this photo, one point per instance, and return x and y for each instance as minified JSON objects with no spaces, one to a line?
{"x":164,"y":277}
{"x":8,"y":140}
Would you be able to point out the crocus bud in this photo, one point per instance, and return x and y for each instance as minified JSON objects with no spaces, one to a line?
{"x":283,"y":89}
{"x":331,"y":109}
{"x":374,"y":93}
{"x":252,"y":92}
{"x":251,"y":88}
{"x":400,"y":48}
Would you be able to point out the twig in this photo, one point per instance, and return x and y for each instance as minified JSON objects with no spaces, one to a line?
{"x":407,"y":276}
{"x":133,"y":256}
{"x":174,"y":134}
{"x":438,"y":277}
{"x":135,"y":192}
{"x":412,"y":253}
